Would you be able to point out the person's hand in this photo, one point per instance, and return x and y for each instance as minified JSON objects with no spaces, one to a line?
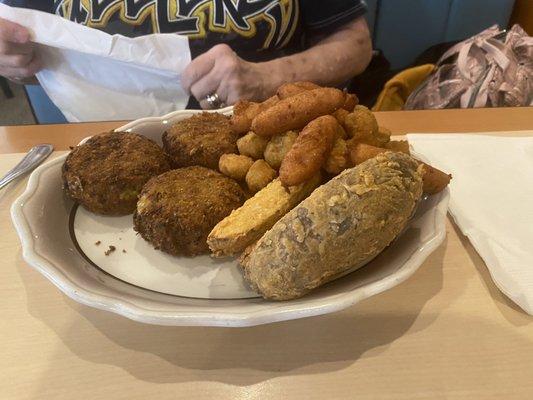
{"x":17,"y":54}
{"x":221,"y":71}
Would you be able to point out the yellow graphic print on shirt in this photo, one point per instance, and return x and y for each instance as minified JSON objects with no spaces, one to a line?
{"x":194,"y":18}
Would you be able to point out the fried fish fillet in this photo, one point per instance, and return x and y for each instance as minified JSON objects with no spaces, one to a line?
{"x":256,"y":216}
{"x":341,"y":226}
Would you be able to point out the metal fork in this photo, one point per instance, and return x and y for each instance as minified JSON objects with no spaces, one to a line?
{"x":32,"y":159}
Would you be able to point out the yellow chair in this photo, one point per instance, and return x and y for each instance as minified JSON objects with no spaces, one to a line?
{"x":397,"y":90}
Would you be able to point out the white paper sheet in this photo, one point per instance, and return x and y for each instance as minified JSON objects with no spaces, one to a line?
{"x":93,"y":76}
{"x":491,"y":201}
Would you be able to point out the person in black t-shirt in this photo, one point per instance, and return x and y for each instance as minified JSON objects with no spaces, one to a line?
{"x":239,"y":48}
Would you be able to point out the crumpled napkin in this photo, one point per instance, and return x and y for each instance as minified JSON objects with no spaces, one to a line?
{"x":93,"y":76}
{"x":491,"y":201}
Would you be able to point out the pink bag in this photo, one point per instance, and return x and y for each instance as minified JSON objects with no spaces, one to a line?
{"x":491,"y":69}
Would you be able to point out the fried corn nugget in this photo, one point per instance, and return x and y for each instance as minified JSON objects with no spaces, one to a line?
{"x":235,"y":166}
{"x":259,"y":175}
{"x":362,"y":126}
{"x":297,"y":111}
{"x":398,"y":145}
{"x":350,"y":101}
{"x":340,"y":115}
{"x":245,"y":111}
{"x":433,"y":180}
{"x":338,"y":159}
{"x":252,"y":145}
{"x":383,"y":136}
{"x":293,"y":88}
{"x":257,"y":215}
{"x":310,"y":151}
{"x":278,"y":147}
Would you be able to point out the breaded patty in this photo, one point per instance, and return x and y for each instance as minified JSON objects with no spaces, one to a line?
{"x":177,"y":210}
{"x":106,"y":174}
{"x":200,"y":140}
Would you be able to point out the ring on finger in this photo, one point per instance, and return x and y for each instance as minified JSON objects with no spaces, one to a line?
{"x":213,"y":100}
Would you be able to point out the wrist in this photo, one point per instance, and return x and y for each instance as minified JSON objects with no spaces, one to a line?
{"x":274,"y":75}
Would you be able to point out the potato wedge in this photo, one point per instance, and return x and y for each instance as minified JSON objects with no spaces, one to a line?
{"x":256,"y":216}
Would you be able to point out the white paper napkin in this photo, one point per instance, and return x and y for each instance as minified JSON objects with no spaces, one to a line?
{"x":491,"y":201}
{"x":93,"y":76}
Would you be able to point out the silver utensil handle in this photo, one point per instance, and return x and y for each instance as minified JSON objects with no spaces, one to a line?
{"x":34,"y":157}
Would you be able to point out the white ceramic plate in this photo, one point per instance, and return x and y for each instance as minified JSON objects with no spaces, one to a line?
{"x":143,"y":284}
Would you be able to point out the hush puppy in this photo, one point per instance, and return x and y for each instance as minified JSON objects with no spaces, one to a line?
{"x":309,"y":152}
{"x":259,"y":175}
{"x":338,"y":159}
{"x":362,"y":127}
{"x":278,"y":147}
{"x":252,"y":145}
{"x":235,"y":166}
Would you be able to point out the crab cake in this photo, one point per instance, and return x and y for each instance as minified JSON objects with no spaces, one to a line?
{"x":177,"y":210}
{"x":107,"y":173}
{"x":200,"y":140}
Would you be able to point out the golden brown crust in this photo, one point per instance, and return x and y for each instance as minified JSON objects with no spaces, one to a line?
{"x":434,"y":180}
{"x":350,"y":102}
{"x":293,"y":88}
{"x":297,"y":111}
{"x":343,"y":225}
{"x":278,"y":147}
{"x":245,"y":111}
{"x":340,"y":115}
{"x":362,"y":126}
{"x":398,"y":145}
{"x":309,"y":152}
{"x":107,"y":173}
{"x":259,"y":175}
{"x":338,"y":159}
{"x":235,"y":166}
{"x":257,"y":215}
{"x":177,"y":210}
{"x":200,"y":140}
{"x":252,"y":145}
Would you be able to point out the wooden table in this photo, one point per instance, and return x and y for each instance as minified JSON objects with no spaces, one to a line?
{"x":446,"y":333}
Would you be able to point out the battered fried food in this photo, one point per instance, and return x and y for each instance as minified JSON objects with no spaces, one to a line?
{"x":245,"y":111}
{"x":339,"y":159}
{"x":252,"y":145}
{"x":258,"y":214}
{"x":235,"y":166}
{"x":361,"y":125}
{"x":343,"y":225}
{"x":350,"y":102}
{"x":106,"y":174}
{"x":278,"y":147}
{"x":290,"y":89}
{"x":295,"y":112}
{"x":398,"y":145}
{"x":383,"y":136}
{"x":340,"y":115}
{"x":259,"y":175}
{"x":177,"y":210}
{"x":341,"y":132}
{"x":434,"y":180}
{"x":200,"y":140}
{"x":293,"y":88}
{"x":309,"y":152}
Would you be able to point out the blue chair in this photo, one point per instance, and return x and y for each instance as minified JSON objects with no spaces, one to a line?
{"x":402,"y":29}
{"x":44,"y":110}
